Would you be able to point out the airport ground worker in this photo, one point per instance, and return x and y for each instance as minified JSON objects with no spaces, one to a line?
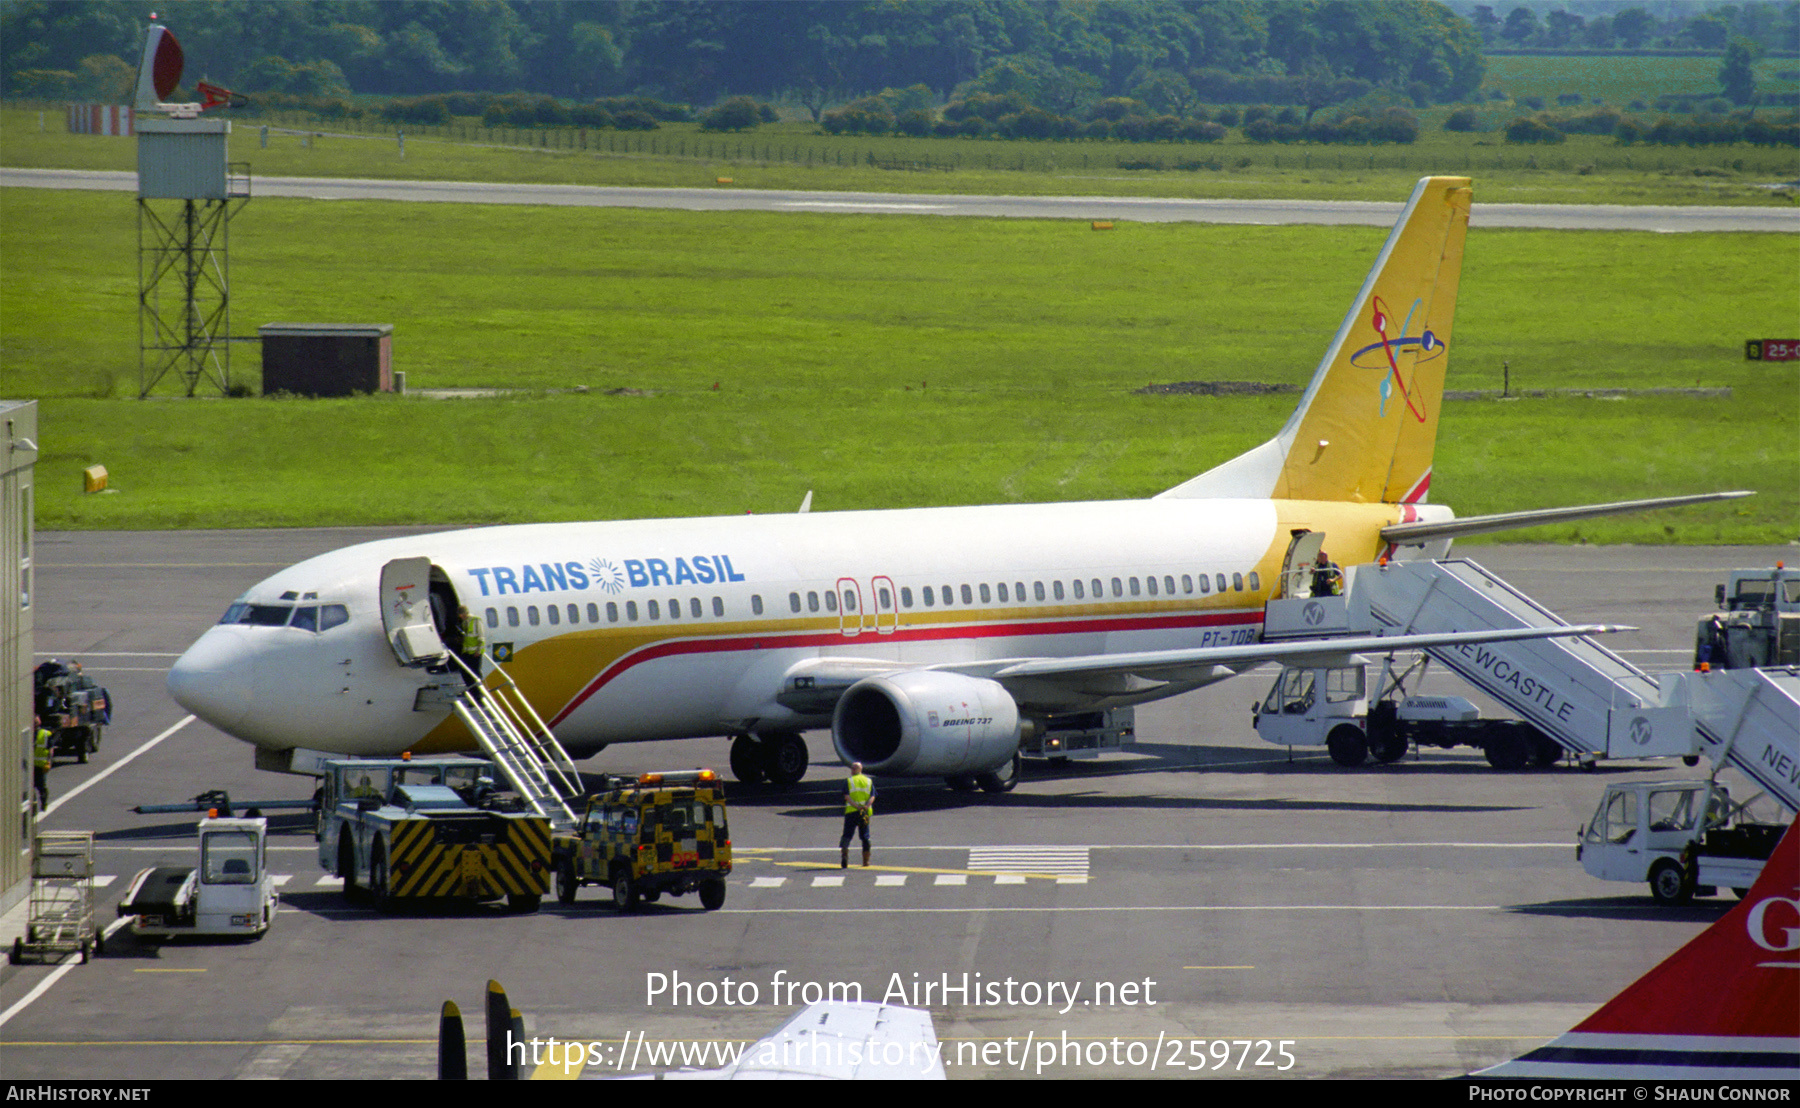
{"x":859,"y":808}
{"x":471,"y":645}
{"x":42,"y":737}
{"x":1327,"y":578}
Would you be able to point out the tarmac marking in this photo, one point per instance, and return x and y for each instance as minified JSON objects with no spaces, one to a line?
{"x":56,"y":974}
{"x":225,"y":1042}
{"x":888,"y":880}
{"x":105,"y":654}
{"x":921,"y":869}
{"x":828,"y":882}
{"x":1152,"y":908}
{"x":112,"y":769}
{"x":831,"y":851}
{"x":1063,"y":861}
{"x":164,"y":565}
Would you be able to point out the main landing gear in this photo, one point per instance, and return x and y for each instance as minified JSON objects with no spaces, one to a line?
{"x":779,"y":757}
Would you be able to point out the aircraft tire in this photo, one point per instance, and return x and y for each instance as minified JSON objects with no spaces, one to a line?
{"x":746,"y":760}
{"x":1001,"y":780}
{"x":784,"y":758}
{"x":1669,"y":884}
{"x":1347,"y":745}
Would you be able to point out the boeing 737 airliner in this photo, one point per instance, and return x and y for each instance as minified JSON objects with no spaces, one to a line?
{"x":929,"y":640}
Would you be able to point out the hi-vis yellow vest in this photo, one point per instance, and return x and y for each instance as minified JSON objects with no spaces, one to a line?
{"x":862,"y":792}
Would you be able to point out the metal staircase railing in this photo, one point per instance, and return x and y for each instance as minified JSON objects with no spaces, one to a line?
{"x":506,"y":726}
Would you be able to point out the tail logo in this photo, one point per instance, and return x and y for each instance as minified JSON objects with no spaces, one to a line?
{"x":1428,"y":347}
{"x":1759,"y":931}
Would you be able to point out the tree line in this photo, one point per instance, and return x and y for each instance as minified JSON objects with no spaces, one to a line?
{"x":1767,"y":26}
{"x":700,"y":52}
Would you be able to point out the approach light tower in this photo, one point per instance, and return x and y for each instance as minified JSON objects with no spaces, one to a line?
{"x":187,"y":194}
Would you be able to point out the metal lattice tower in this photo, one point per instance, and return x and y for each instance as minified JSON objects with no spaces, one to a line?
{"x":187,"y":194}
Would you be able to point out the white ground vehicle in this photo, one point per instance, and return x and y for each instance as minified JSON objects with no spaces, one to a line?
{"x":1685,"y":838}
{"x":1330,"y":705}
{"x":231,"y":892}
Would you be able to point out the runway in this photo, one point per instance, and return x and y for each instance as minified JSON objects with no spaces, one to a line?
{"x":1592,"y":217}
{"x":1418,"y":920}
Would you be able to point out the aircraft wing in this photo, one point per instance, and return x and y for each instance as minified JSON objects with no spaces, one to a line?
{"x":815,"y":685}
{"x":1175,"y":665}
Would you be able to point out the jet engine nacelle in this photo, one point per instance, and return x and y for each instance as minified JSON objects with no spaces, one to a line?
{"x":926,"y":723}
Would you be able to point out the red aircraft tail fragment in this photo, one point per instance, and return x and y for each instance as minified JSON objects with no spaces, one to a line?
{"x":1724,"y":1007}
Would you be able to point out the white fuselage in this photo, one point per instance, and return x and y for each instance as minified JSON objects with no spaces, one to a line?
{"x":657,"y":629}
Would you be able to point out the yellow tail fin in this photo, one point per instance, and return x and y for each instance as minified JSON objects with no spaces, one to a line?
{"x":1366,"y":428}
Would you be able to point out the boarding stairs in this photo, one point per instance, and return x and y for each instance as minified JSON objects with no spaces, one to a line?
{"x":1748,"y":719}
{"x":511,"y":732}
{"x":1592,"y":702}
{"x":1570,"y":687}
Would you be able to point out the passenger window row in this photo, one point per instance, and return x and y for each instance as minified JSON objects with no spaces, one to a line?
{"x":557,"y":615}
{"x":1094,"y":588}
{"x":832,"y":600}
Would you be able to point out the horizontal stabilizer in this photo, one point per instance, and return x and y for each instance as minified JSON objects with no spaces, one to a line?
{"x":1404,"y":534}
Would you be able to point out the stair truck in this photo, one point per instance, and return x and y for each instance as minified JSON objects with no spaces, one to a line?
{"x":1330,"y":706}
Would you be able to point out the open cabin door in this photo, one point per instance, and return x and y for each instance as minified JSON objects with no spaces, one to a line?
{"x":1296,"y":568}
{"x":406,"y":612}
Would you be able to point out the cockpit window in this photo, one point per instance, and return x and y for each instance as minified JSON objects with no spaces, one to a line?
{"x":321,"y":617}
{"x":259,"y":615}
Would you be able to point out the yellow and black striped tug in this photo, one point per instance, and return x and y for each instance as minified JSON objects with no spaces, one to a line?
{"x":414,"y":829}
{"x":645,"y":836}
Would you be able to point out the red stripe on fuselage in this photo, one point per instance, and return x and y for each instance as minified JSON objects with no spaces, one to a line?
{"x":789,"y":640}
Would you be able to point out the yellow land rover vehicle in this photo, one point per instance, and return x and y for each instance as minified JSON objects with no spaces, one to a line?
{"x":646,"y":836}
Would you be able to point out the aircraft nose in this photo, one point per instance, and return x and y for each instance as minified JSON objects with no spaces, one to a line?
{"x":215,"y":677}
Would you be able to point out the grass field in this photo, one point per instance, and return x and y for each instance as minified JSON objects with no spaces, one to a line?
{"x":881,"y":360}
{"x":1618,"y":80}
{"x":1585,"y":169}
